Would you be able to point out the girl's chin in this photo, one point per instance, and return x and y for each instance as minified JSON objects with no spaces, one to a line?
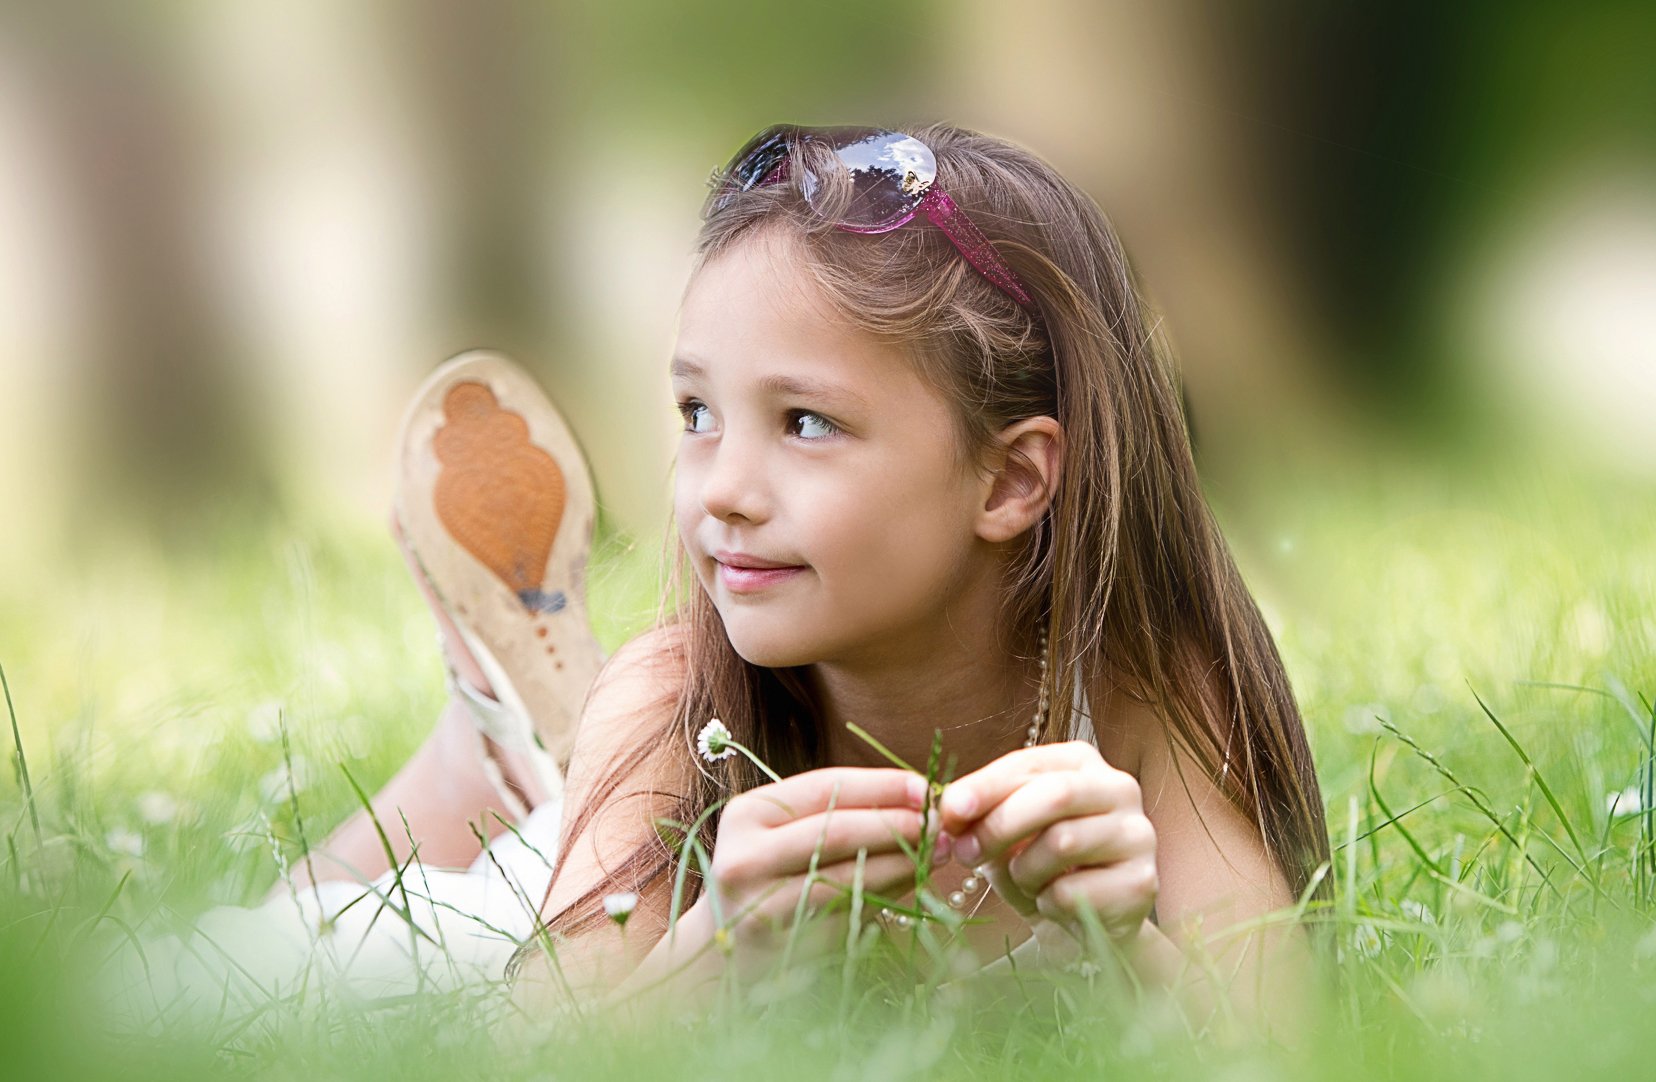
{"x":772,"y":650}
{"x":772,"y":655}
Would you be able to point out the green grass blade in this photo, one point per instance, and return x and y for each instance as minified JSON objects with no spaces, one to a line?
{"x":22,"y":760}
{"x":1546,"y":790}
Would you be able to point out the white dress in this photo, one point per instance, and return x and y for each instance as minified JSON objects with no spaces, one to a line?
{"x":438,"y":930}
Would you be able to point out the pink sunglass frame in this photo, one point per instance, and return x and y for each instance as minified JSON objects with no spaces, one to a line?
{"x":935,"y":204}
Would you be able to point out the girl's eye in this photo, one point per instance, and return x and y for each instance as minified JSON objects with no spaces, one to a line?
{"x":695,"y":416}
{"x":812,"y":426}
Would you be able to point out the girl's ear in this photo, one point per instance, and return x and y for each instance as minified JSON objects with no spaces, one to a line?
{"x":1020,"y":477}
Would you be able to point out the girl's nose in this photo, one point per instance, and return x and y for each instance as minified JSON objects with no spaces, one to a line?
{"x":732,"y":485}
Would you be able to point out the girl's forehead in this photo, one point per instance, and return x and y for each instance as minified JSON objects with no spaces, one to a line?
{"x":753,"y":312}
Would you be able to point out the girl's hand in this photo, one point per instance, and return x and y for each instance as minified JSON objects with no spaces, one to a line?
{"x":1059,"y":830}
{"x":767,"y":837}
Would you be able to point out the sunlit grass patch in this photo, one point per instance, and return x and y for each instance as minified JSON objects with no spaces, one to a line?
{"x":1475,"y":658}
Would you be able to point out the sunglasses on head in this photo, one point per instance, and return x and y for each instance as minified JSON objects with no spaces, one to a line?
{"x":893,"y":178}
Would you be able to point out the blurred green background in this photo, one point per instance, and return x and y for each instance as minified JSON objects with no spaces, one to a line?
{"x":237,"y":234}
{"x":1407,"y":255}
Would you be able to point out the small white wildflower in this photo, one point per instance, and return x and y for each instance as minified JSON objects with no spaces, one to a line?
{"x":157,"y":808}
{"x":713,"y":742}
{"x":126,"y":842}
{"x":1417,"y":911}
{"x":1629,"y":801}
{"x":620,"y":906}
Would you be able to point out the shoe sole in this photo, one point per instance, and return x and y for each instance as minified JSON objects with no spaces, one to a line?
{"x":496,"y":501}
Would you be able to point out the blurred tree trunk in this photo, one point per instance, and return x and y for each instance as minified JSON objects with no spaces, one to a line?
{"x":1138,"y":104}
{"x":495,"y":92}
{"x":164,"y":432}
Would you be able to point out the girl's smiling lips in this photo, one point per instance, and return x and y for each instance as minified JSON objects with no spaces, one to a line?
{"x":745,"y":560}
{"x":742,"y":573}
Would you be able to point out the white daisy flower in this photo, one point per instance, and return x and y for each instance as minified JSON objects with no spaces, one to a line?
{"x":1629,"y":801}
{"x":713,"y":742}
{"x":620,"y":906}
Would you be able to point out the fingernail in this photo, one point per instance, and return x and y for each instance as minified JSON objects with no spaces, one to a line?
{"x":968,"y":849}
{"x":917,"y":791}
{"x":945,"y":844}
{"x":961,"y":802}
{"x":939,"y":856}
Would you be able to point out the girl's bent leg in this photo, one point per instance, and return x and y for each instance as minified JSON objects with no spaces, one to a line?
{"x":442,"y":791}
{"x":515,"y":571}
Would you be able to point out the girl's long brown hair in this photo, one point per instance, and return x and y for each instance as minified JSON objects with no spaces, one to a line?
{"x":1127,"y":571}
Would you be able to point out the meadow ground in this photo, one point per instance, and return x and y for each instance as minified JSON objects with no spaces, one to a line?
{"x":1473,"y":651}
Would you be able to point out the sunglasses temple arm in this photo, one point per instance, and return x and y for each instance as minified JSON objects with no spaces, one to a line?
{"x":948,"y":217}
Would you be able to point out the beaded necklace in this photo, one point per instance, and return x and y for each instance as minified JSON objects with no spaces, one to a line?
{"x":977,"y":881}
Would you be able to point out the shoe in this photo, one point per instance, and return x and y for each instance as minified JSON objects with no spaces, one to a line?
{"x":496,"y":507}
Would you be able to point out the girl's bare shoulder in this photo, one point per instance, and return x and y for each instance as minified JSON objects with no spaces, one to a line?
{"x":1123,"y":721}
{"x":627,"y":748}
{"x":652,"y":661}
{"x":632,"y":703}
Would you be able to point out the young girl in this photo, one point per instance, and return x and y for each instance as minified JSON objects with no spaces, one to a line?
{"x":934,"y":475}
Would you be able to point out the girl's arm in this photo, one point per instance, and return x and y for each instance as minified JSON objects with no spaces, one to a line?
{"x":1215,"y":878}
{"x":774,"y":849}
{"x":678,"y":969}
{"x":674,"y":971}
{"x":626,"y":709}
{"x":1210,"y":878}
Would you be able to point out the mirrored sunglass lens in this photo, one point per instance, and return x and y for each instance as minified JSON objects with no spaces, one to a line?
{"x":758,"y":160}
{"x":755,"y":161}
{"x":889,"y":175}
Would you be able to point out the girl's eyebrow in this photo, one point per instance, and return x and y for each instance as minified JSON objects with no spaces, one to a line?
{"x":778,"y":384}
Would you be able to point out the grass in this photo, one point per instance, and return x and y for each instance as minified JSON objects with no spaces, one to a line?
{"x":1473,"y":653}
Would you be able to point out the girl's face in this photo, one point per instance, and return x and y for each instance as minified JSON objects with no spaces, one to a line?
{"x":817,"y":449}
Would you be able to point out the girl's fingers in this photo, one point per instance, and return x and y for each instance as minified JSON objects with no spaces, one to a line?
{"x":812,"y":792}
{"x":1046,"y":799}
{"x":966,"y":800}
{"x":1120,"y":896}
{"x":885,"y":874}
{"x":837,"y":835}
{"x":1078,"y":843}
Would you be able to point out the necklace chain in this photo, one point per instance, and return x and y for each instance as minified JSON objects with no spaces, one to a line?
{"x":976,"y":882}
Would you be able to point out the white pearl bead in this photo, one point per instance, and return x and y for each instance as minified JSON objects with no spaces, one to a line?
{"x":957,"y":899}
{"x":971,"y":884}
